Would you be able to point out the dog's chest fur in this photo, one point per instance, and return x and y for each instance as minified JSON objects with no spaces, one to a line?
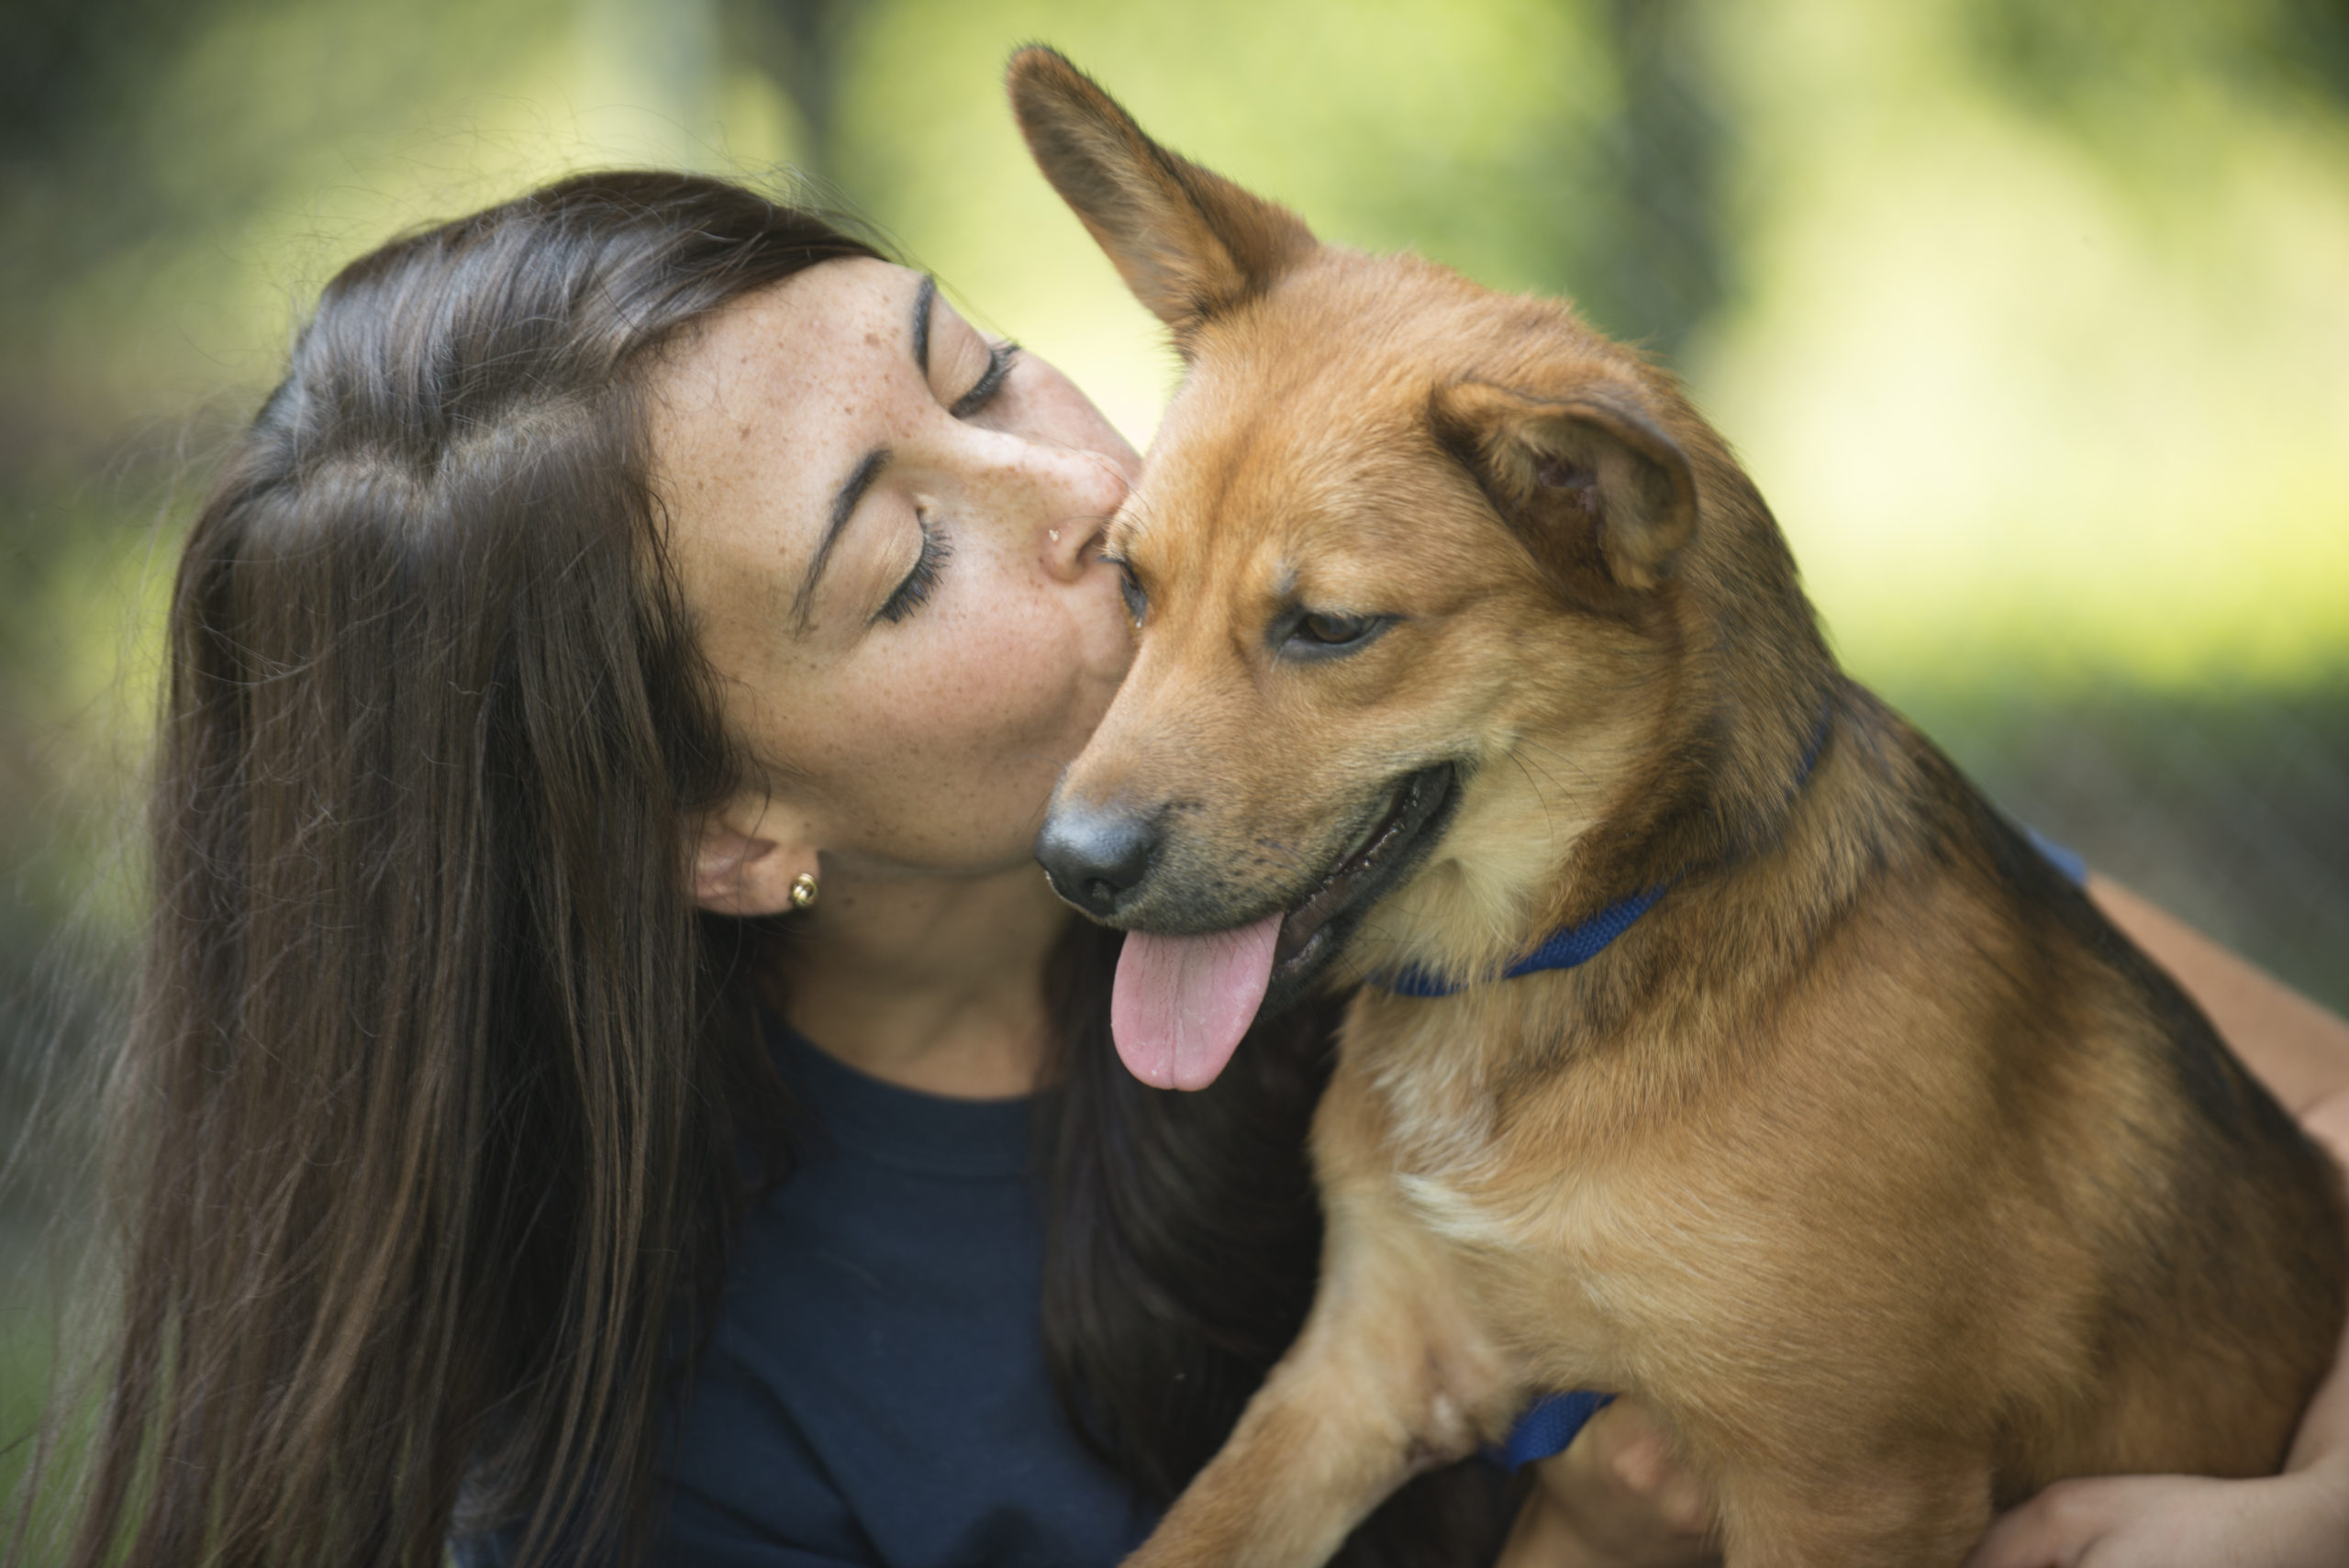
{"x":1519,"y":1180}
{"x":1620,"y":1205}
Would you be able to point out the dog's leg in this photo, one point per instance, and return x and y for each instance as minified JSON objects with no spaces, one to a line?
{"x":1370,"y":1394}
{"x":1391,"y":1376}
{"x":1921,"y":1515}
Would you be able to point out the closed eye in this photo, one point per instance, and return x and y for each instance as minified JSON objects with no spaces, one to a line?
{"x":921,"y":581}
{"x":982,"y":391}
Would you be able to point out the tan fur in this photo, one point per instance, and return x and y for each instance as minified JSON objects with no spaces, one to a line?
{"x":1870,"y":1157}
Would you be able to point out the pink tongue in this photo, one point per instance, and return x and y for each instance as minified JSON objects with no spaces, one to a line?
{"x":1182,"y":1002}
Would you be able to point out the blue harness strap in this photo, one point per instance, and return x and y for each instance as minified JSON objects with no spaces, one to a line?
{"x":1553,"y":1421}
{"x":1548,"y":1427}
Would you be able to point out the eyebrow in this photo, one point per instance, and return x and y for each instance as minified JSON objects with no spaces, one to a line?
{"x":924,"y":299}
{"x":851,"y":492}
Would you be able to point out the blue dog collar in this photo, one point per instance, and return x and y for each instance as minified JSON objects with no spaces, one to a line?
{"x":1574,"y":946}
{"x":1577,"y":945}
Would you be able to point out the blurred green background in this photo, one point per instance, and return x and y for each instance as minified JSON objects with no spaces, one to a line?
{"x":2033,"y":321}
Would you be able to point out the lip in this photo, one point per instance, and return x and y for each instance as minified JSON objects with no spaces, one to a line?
{"x":1317,"y":928}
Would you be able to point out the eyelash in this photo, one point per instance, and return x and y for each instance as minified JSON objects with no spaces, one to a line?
{"x":982,"y":391}
{"x":919,"y":582}
{"x":922,"y":581}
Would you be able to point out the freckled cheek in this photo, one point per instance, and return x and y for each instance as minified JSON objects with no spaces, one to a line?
{"x":990,"y":699}
{"x":953,"y":743}
{"x":1009,"y":692}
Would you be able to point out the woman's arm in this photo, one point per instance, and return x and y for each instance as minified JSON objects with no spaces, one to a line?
{"x":1614,"y":1498}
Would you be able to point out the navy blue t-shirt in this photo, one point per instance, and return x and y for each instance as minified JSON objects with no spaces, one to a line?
{"x":874,"y":1390}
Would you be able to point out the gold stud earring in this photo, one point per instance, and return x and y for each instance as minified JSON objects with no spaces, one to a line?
{"x":803,"y":891}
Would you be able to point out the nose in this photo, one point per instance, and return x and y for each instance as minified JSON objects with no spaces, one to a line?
{"x":1094,"y":857}
{"x":1084,"y":488}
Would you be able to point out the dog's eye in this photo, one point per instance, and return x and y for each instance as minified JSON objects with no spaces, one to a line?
{"x":1315,"y":635}
{"x":1333,"y":631}
{"x":1136,"y":602}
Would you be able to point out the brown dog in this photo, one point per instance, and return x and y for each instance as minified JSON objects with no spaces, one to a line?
{"x":1866,"y":1154}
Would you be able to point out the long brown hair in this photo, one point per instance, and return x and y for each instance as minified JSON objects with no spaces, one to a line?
{"x":430,"y":1126}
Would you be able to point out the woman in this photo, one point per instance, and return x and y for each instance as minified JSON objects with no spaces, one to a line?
{"x":636,"y":641}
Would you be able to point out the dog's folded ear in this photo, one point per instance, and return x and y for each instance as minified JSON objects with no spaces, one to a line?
{"x":1189,"y":243}
{"x":1587,"y":480}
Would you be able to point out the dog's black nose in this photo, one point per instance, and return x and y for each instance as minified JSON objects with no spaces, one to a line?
{"x":1096,"y":858}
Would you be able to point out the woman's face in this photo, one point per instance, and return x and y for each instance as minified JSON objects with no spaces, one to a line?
{"x":888,"y":528}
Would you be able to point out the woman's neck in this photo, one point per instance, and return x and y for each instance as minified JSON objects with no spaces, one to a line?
{"x":934,"y":983}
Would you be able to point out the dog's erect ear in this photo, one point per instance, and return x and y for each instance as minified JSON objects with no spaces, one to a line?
{"x":1587,"y":480}
{"x":1189,"y":243}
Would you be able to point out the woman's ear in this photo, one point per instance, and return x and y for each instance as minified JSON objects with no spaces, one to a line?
{"x":746,"y":857}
